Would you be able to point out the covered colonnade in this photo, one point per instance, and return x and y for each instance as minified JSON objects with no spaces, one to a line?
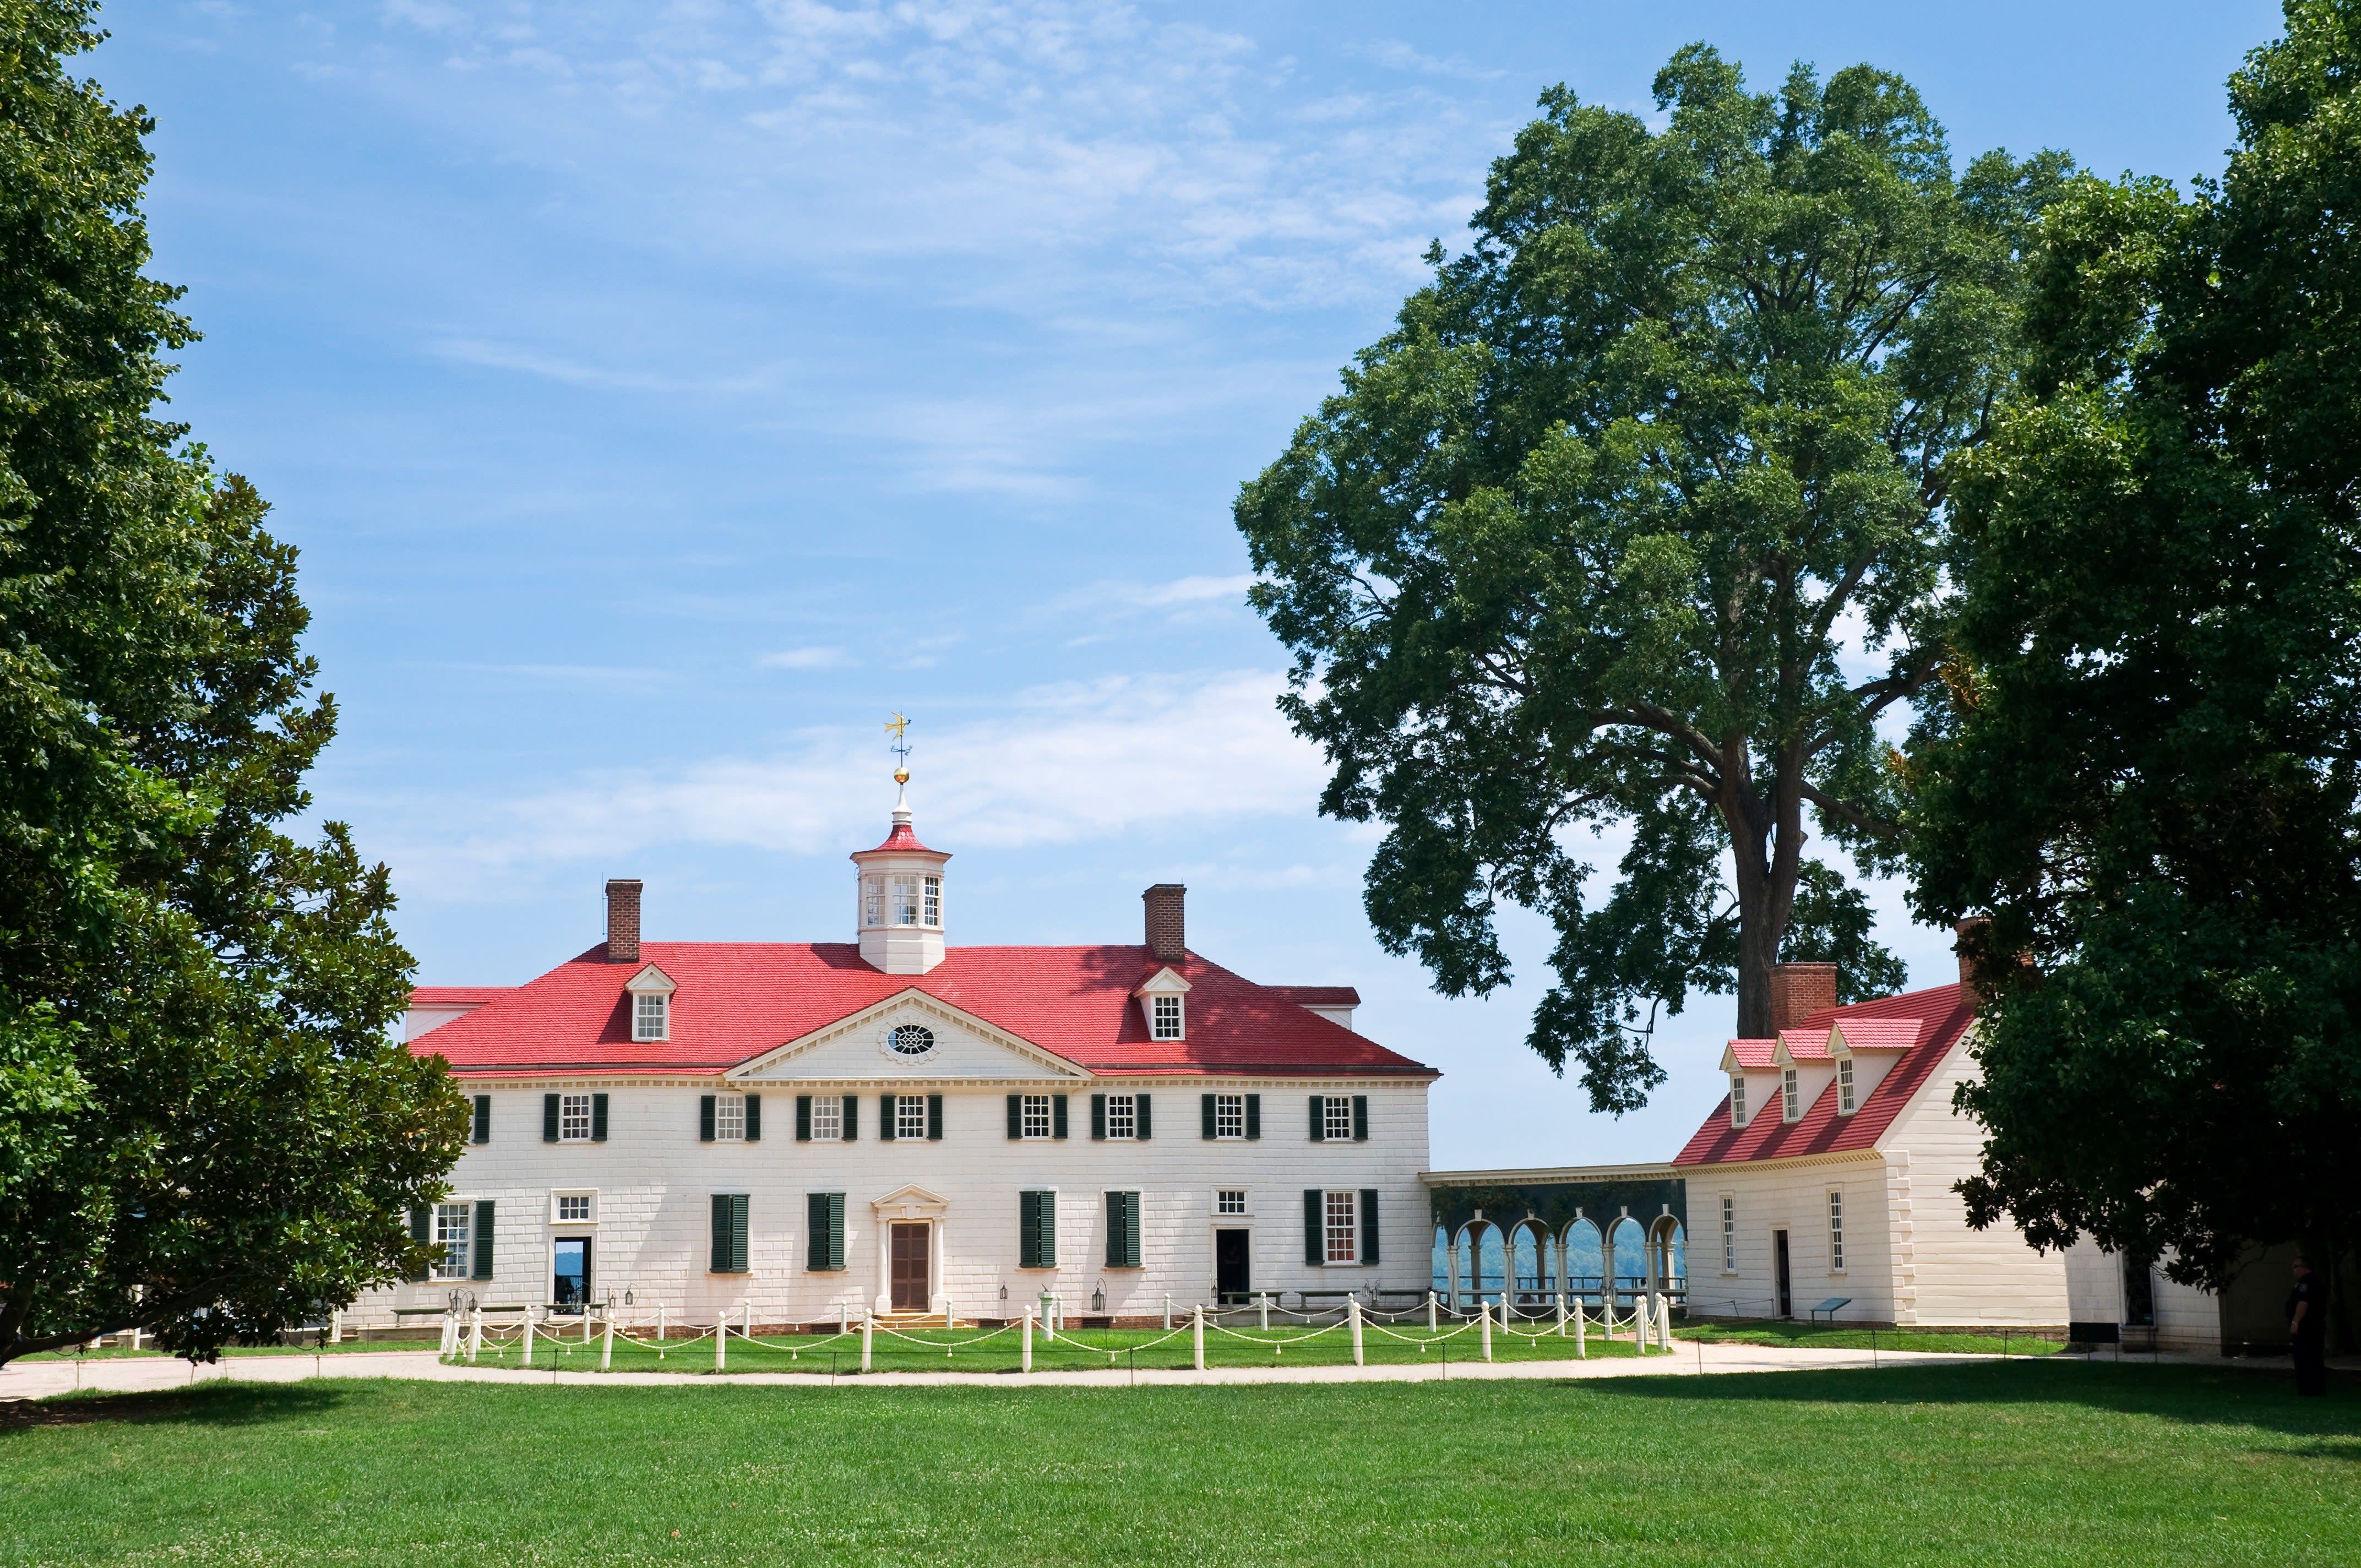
{"x":1607,"y":1237}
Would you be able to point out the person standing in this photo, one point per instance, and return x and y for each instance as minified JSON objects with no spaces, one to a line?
{"x":2308,"y":1331}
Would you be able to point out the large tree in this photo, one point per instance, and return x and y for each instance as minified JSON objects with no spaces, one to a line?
{"x":1638,"y":517}
{"x":204,"y":1126}
{"x":2148,"y":772}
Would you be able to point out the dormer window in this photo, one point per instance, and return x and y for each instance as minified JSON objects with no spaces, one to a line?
{"x":1844,"y":1086}
{"x":650,"y":992}
{"x":1738,"y":1099}
{"x":1789,"y":1100}
{"x":1168,"y":1017}
{"x":1160,"y":999}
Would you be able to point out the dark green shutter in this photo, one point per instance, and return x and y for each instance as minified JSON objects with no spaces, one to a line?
{"x":1028,"y":1229}
{"x":483,"y":1130}
{"x":1016,"y":1115}
{"x":1123,"y":1229}
{"x":598,"y":1118}
{"x":1047,"y":1246}
{"x":852,"y":1117}
{"x":422,"y":1229}
{"x":1369,"y":1224}
{"x":934,"y":1118}
{"x":1057,"y":1115}
{"x":824,"y":1218}
{"x":803,"y":1118}
{"x":549,"y":1118}
{"x":1139,"y":1115}
{"x":754,"y":1118}
{"x":1319,"y":1118}
{"x":730,"y":1233}
{"x":705,"y":1118}
{"x":886,"y":1130}
{"x":1360,"y":1118}
{"x":1098,"y":1116}
{"x":1254,"y":1116}
{"x":1315,"y":1239}
{"x":1205,"y":1115}
{"x":483,"y":1269}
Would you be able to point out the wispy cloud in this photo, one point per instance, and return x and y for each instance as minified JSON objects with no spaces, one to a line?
{"x":1055,"y":764}
{"x":806,"y":659}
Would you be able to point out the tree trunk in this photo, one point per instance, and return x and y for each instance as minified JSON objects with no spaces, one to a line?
{"x":1758,"y":942}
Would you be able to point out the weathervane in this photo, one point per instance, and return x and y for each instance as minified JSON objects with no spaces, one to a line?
{"x":900,"y":748}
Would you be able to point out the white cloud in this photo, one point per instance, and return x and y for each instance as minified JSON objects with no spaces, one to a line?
{"x":1056,"y":764}
{"x":806,"y":659}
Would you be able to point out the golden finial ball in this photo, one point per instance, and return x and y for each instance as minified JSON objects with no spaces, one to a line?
{"x":901,"y":776}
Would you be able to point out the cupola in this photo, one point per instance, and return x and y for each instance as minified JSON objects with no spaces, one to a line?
{"x":898,"y":895}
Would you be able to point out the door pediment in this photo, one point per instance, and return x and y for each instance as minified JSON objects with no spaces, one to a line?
{"x":910,"y":1202}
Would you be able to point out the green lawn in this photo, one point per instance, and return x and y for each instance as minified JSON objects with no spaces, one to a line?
{"x":1837,"y":1336}
{"x":1982,"y":1463}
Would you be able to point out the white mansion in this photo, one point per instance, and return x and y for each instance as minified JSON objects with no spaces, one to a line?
{"x":797,"y":1131}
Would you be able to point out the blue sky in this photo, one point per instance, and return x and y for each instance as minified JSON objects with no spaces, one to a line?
{"x":661,"y":394}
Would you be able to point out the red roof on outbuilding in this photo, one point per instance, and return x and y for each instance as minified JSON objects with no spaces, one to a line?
{"x":1942,"y":1016}
{"x":738,"y":1000}
{"x":457,"y":995}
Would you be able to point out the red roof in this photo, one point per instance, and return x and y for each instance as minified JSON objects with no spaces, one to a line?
{"x":457,"y":995}
{"x":1317,"y":996}
{"x":738,"y":1000}
{"x":902,"y":838}
{"x":1754,"y":1053}
{"x":1806,"y":1044}
{"x":1880,"y":1034}
{"x":1941,"y":1016}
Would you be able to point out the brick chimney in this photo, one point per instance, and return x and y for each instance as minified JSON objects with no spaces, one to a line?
{"x":1167,"y":934}
{"x":623,"y":920}
{"x":1973,"y":939}
{"x":1798,"y":990}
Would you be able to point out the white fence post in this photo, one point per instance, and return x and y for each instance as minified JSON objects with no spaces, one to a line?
{"x":867,"y":1328}
{"x":1168,"y":1312}
{"x":660,"y":1327}
{"x":747,"y":1333}
{"x":1198,"y":1320}
{"x":720,"y":1338}
{"x":1484,"y":1310}
{"x":1561,"y":1313}
{"x":606,"y":1347}
{"x":1264,"y":1298}
{"x":336,"y":1326}
{"x":1353,"y":1305}
{"x":1430,"y":1312}
{"x":1025,"y":1359}
{"x":475,"y":1335}
{"x":1665,"y":1322}
{"x":527,"y":1339}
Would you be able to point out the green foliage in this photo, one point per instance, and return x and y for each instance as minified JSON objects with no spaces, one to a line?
{"x":2052,"y":1464}
{"x":1579,"y":542}
{"x":203,"y":1126}
{"x":2145,"y":771}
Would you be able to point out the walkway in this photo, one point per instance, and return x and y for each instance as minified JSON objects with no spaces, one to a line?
{"x":35,"y":1380}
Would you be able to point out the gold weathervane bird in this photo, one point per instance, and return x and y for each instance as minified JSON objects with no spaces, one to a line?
{"x":900,"y":748}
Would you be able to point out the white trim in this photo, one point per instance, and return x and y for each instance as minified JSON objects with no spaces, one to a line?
{"x":1222,"y":1216}
{"x":558,"y":1192}
{"x":923,"y":1001}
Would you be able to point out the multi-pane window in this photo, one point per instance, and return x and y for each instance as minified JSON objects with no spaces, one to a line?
{"x":648,"y":1015}
{"x":730,"y":1118}
{"x":574,"y":1118}
{"x":1036,"y":1123}
{"x":1336,"y":1117}
{"x":1230,"y":1200}
{"x":934,"y":899}
{"x":1167,"y":1011}
{"x":1344,"y":1214}
{"x":573,"y":1207}
{"x":1729,"y":1233}
{"x":1836,"y":1232}
{"x":1789,"y":1100}
{"x":873,"y":901}
{"x":1738,"y":1099}
{"x":451,"y":1221}
{"x":906,"y":901}
{"x":1844,"y":1085}
{"x":1229,"y":1115}
{"x":1123,"y":1116}
{"x":910,"y":1116}
{"x":828,"y":1118}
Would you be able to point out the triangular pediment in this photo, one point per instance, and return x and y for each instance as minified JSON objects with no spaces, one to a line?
{"x":884,"y":1040}
{"x":1166,"y":982}
{"x":650,"y":978}
{"x":910,"y":1202}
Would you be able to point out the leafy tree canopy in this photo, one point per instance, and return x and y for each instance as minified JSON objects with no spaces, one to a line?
{"x":203,"y":1126}
{"x":2146,"y":769}
{"x":1582,"y":541}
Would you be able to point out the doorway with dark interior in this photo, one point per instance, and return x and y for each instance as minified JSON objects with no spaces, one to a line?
{"x":1779,"y":1257}
{"x":1232,"y":1276}
{"x":910,"y":1249}
{"x":570,"y":1284}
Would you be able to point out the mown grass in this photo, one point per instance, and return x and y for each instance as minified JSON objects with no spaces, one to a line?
{"x":1983,"y":1463}
{"x":1833,"y":1336}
